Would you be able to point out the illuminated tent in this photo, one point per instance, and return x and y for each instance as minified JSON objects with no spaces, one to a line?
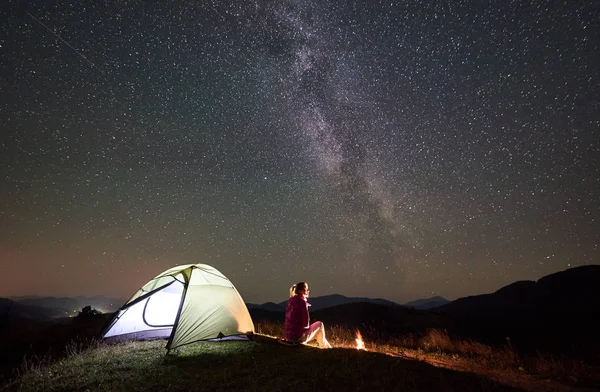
{"x":186,"y":304}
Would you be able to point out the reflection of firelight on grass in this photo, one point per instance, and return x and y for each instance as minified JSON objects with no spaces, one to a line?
{"x":360,"y":345}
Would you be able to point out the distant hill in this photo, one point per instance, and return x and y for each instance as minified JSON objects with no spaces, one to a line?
{"x":14,"y":312}
{"x":427,"y":303}
{"x":267,"y":306}
{"x":323,"y":302}
{"x":575,"y":289}
{"x":69,"y":306}
{"x":328,"y":301}
{"x":559,"y":311}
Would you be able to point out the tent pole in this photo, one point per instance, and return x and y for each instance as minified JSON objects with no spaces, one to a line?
{"x":186,"y":278}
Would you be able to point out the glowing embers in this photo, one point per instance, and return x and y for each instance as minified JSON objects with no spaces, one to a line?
{"x":360,"y":345}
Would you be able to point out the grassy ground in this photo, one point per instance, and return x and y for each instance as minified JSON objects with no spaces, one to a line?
{"x":503,"y":362}
{"x":430,"y":362}
{"x":261,"y":365}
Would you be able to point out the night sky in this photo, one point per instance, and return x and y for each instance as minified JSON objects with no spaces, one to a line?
{"x":397,"y":149}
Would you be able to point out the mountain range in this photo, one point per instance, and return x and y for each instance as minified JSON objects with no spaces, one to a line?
{"x":575,"y":290}
{"x":44,"y":308}
{"x":329,"y":301}
{"x":23,"y":312}
{"x":559,"y":312}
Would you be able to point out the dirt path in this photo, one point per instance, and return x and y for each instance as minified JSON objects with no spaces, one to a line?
{"x":507,"y":377}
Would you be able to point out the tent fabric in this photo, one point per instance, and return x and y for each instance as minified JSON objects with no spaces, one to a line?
{"x":186,"y":303}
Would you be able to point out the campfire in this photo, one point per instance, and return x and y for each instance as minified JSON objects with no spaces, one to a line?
{"x":360,"y":345}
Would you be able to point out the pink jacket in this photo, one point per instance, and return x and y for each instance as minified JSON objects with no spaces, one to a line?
{"x":297,"y":320}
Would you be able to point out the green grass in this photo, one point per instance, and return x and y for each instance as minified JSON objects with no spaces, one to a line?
{"x":84,"y":364}
{"x":261,"y":365}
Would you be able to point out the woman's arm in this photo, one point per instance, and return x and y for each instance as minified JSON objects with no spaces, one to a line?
{"x":303,"y":314}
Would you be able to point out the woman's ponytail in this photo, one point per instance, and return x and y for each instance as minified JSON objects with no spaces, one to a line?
{"x":297,"y":287}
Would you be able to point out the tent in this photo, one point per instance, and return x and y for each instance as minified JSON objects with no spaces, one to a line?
{"x":185,"y":304}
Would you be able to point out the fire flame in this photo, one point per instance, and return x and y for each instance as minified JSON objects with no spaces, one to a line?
{"x":360,"y":345}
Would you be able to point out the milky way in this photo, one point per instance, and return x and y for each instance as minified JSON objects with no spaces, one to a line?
{"x":388,"y":149}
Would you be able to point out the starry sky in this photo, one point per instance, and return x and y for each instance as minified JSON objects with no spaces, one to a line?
{"x":397,"y":149}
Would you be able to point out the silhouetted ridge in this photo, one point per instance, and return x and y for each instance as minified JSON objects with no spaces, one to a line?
{"x":578,"y":288}
{"x":322,"y":302}
{"x":570,"y":290}
{"x":427,"y":303}
{"x":560,"y":311}
{"x":14,"y":312}
{"x":65,"y":306}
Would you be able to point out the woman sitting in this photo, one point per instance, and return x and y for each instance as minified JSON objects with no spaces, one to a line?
{"x":297,"y":320}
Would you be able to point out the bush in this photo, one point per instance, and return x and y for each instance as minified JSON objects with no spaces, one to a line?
{"x":88,"y":311}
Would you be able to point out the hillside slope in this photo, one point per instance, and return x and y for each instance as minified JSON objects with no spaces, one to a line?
{"x":575,"y":289}
{"x":14,"y":312}
{"x":559,"y":312}
{"x":261,"y":365}
{"x":427,"y":303}
{"x":68,"y":306}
